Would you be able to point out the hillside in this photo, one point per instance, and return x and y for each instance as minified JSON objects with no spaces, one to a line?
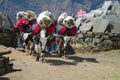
{"x":56,"y":6}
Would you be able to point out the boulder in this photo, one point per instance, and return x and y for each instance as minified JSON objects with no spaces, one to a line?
{"x":7,"y":34}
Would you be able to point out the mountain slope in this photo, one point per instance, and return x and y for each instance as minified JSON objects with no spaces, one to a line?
{"x":55,"y":6}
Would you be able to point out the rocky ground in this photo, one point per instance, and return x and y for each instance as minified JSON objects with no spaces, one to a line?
{"x":87,"y":66}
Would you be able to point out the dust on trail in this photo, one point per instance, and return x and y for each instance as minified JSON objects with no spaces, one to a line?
{"x":88,"y":66}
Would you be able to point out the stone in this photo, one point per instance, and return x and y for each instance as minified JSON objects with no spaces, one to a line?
{"x":1,"y":62}
{"x":8,"y":37}
{"x":2,"y":71}
{"x":7,"y":33}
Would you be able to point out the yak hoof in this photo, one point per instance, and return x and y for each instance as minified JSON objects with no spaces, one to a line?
{"x":43,"y":60}
{"x":37,"y":59}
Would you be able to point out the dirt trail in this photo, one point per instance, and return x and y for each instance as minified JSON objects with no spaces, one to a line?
{"x":103,"y":66}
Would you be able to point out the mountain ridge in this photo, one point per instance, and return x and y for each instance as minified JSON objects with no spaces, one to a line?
{"x":56,"y":6}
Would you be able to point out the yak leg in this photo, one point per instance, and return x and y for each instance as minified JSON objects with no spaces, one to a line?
{"x":38,"y":51}
{"x":31,"y":47}
{"x":27,"y":49}
{"x":59,"y":44}
{"x":43,"y":57}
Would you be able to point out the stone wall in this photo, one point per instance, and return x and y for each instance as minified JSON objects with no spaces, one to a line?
{"x":7,"y":33}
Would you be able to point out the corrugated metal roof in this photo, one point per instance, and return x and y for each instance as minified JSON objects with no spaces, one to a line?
{"x":106,"y":5}
{"x":86,"y":26}
{"x":97,"y":12}
{"x":116,"y":8}
{"x":89,"y":15}
{"x":100,"y":25}
{"x":115,"y":21}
